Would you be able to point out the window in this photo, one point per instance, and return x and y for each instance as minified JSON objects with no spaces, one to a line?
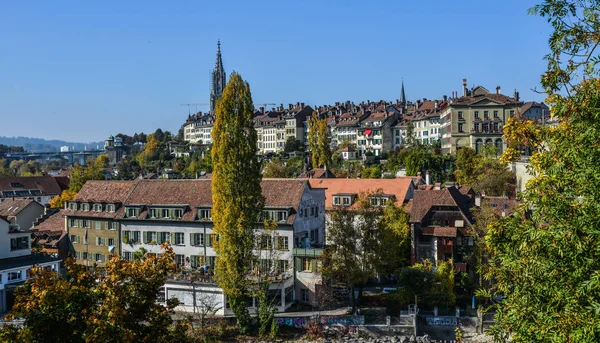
{"x":265,"y":242}
{"x":336,"y":201}
{"x":306,"y":264}
{"x":486,"y":114}
{"x":178,"y":213}
{"x":460,"y":115}
{"x":283,"y":243}
{"x":312,"y":211}
{"x":85,"y":223}
{"x":165,"y":237}
{"x":305,"y":295}
{"x":97,"y":225}
{"x":149,"y":237}
{"x":135,"y":237}
{"x":110,"y":208}
{"x":314,"y":235}
{"x":512,"y":112}
{"x":458,"y":240}
{"x":470,"y":241}
{"x":85,"y":240}
{"x":127,"y":256}
{"x":495,"y":114}
{"x":19,"y":243}
{"x":165,"y":213}
{"x":74,"y":239}
{"x":132,"y":212}
{"x":99,"y":258}
{"x":85,"y":255}
{"x":197,"y":239}
{"x":495,"y":125}
{"x":179,"y":238}
{"x":111,"y":242}
{"x":180,"y":260}
{"x":154,"y":213}
{"x":72,"y":222}
{"x":98,"y":207}
{"x":281,"y":216}
{"x":477,"y":114}
{"x":486,"y":127}
{"x":111,"y":226}
{"x":460,"y":127}
{"x":73,"y":206}
{"x":346,"y":201}
{"x":85,"y":207}
{"x":99,"y":241}
{"x":14,"y":276}
{"x":476,"y":127}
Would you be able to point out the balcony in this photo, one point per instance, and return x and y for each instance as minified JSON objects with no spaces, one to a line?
{"x":310,"y":252}
{"x":498,"y":131}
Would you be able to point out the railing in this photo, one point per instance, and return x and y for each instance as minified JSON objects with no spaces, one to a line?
{"x":307,"y":252}
{"x":499,"y":130}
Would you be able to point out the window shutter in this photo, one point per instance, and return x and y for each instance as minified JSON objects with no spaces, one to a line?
{"x":172,"y":236}
{"x":298,"y":264}
{"x":145,"y":235}
{"x":313,"y":265}
{"x":192,"y":242}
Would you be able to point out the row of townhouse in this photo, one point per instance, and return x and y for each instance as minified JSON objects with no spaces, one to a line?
{"x":124,"y":216}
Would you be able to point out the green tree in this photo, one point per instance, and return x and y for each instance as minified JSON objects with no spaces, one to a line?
{"x":292,"y":144}
{"x":236,"y":193}
{"x":318,"y":141}
{"x":146,"y":158}
{"x":485,"y":172}
{"x":545,"y":257}
{"x":117,"y":305}
{"x":276,"y":168}
{"x":394,"y":240}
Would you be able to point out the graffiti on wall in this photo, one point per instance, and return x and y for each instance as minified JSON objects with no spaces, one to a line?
{"x":441,"y":321}
{"x":343,"y":320}
{"x":292,"y":322}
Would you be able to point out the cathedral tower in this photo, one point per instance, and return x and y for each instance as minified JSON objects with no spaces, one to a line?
{"x":218,"y":80}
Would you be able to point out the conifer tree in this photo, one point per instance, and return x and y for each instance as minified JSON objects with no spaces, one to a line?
{"x":236,"y":193}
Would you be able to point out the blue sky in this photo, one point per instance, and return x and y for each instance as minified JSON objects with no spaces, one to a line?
{"x":81,"y":70}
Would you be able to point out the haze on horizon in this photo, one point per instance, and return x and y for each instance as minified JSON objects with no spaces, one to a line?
{"x":80,"y":71}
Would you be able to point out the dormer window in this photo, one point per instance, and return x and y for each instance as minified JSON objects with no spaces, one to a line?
{"x":380,"y":199}
{"x":73,"y":206}
{"x":85,"y":207}
{"x":98,"y":207}
{"x":276,"y":215}
{"x":110,"y":208}
{"x":132,"y":212}
{"x":343,"y":199}
{"x":204,"y":214}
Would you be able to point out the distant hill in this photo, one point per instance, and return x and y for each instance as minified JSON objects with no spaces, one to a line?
{"x":40,"y":144}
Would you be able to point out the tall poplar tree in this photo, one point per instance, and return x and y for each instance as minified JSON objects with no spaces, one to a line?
{"x":236,"y":193}
{"x":318,"y":141}
{"x":545,"y":258}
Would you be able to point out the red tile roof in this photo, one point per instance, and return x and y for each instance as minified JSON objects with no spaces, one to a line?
{"x":401,"y":188}
{"x":48,"y":185}
{"x":55,"y":222}
{"x":113,"y":192}
{"x":425,"y":199}
{"x":12,"y":207}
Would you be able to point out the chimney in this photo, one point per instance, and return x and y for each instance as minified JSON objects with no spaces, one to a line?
{"x":281,"y":107}
{"x":497,"y":89}
{"x":427,"y":178}
{"x":465,"y":90}
{"x":516,"y":96}
{"x":435,"y":105}
{"x":445,"y":97}
{"x":291,"y":106}
{"x":302,"y":105}
{"x":262,"y":110}
{"x":478,"y":200}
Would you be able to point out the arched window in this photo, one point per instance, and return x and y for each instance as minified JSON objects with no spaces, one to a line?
{"x":478,"y":145}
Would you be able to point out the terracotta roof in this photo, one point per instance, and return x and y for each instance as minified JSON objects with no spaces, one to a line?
{"x":401,"y":188}
{"x":113,"y":192}
{"x":55,"y":222}
{"x":317,"y":173}
{"x":12,"y":207}
{"x":425,"y":199}
{"x":499,"y":204}
{"x":348,"y":149}
{"x":47,"y":185}
{"x":500,"y":98}
{"x":193,"y":193}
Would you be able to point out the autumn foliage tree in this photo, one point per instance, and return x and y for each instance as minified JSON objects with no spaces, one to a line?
{"x":87,"y":305}
{"x":545,"y":257}
{"x":236,"y":193}
{"x":93,"y":170}
{"x":318,"y":141}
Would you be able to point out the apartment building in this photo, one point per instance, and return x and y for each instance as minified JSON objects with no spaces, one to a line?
{"x":42,"y":189}
{"x":151,"y":212}
{"x":476,"y":119}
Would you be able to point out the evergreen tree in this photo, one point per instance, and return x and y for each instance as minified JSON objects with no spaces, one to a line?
{"x":236,"y":193}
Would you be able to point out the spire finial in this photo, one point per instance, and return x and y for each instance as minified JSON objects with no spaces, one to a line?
{"x":219,"y":45}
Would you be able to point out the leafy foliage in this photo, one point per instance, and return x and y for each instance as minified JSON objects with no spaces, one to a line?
{"x":545,"y":256}
{"x":89,"y":306}
{"x":236,"y":193}
{"x":318,"y":141}
{"x":484,"y":172}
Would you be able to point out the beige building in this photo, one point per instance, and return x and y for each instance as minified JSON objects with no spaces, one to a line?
{"x":476,"y":119}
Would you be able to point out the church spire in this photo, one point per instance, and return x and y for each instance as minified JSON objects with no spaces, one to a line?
{"x":402,"y":94}
{"x":218,"y":80}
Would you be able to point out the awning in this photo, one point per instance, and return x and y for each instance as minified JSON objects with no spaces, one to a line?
{"x":368,"y":131}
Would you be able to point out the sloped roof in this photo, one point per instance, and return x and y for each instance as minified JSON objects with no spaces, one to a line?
{"x":425,"y":199}
{"x":398,"y":187}
{"x":317,"y":173}
{"x":12,"y":207}
{"x":499,"y":98}
{"x":47,"y":185}
{"x":105,"y":191}
{"x":55,"y":222}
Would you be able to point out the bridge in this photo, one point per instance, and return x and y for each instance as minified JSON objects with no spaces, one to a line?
{"x":71,"y":156}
